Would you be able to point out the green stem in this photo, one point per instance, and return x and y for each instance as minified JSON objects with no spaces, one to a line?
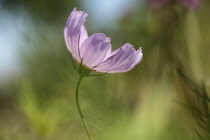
{"x":79,"y":109}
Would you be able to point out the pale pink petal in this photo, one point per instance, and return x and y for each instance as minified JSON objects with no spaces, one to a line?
{"x":83,"y":35}
{"x":136,"y":59}
{"x":117,"y":57}
{"x":94,"y":49}
{"x":123,"y":60}
{"x":74,"y":30}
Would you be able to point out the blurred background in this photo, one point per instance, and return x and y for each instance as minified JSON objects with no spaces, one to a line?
{"x":165,"y":97}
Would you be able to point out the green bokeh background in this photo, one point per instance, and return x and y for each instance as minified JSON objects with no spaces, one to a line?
{"x":38,"y":103}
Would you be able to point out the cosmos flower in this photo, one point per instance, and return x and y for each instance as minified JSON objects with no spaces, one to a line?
{"x":95,"y":51}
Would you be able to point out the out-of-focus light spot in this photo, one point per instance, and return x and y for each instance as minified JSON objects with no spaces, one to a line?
{"x":11,"y":28}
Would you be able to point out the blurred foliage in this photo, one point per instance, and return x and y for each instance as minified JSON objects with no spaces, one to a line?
{"x":159,"y":99}
{"x":51,"y":111}
{"x":197,"y":102}
{"x":48,"y":10}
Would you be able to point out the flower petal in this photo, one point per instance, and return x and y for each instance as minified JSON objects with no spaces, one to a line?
{"x":94,"y":49}
{"x":83,"y":35}
{"x":118,"y":58}
{"x":124,"y":59}
{"x":75,"y":32}
{"x":130,"y":64}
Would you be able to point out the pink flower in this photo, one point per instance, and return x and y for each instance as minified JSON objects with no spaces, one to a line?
{"x":95,"y":51}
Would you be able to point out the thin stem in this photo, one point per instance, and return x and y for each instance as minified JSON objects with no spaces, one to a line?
{"x":206,"y":109}
{"x":79,"y":109}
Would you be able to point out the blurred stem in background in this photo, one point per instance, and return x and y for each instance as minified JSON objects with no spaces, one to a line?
{"x":178,"y":48}
{"x":196,"y":96}
{"x":197,"y":101}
